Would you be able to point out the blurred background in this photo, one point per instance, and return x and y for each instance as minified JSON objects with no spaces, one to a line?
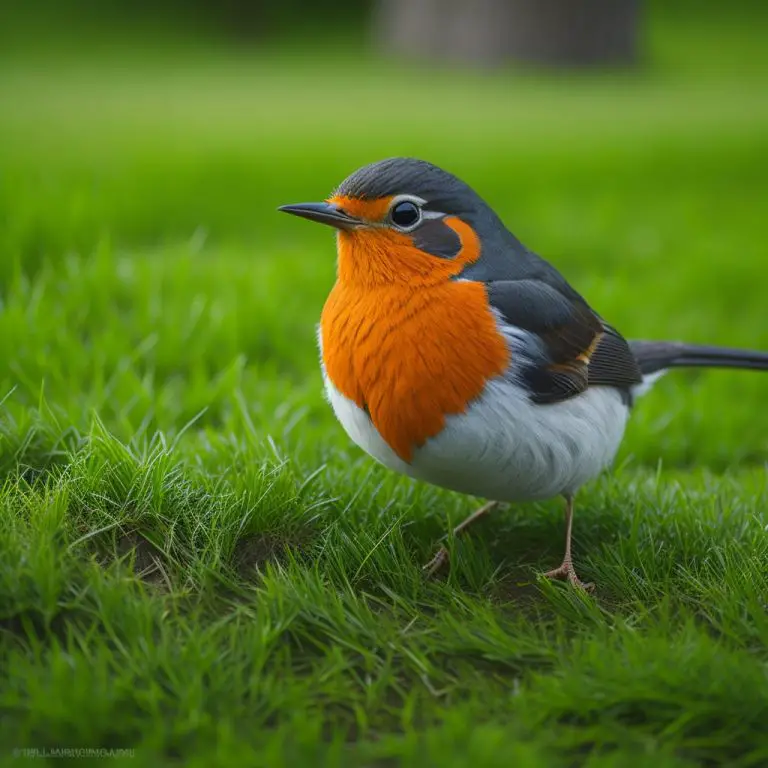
{"x":144,"y":147}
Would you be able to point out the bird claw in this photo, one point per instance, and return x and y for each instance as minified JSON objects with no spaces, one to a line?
{"x":566,"y":573}
{"x":437,"y":562}
{"x":441,"y":558}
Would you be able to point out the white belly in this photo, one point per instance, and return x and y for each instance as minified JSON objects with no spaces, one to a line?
{"x":505,"y":447}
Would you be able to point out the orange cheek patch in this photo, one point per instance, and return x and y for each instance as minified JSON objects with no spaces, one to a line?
{"x":372,"y":258}
{"x":381,"y":256}
{"x":411,"y":355}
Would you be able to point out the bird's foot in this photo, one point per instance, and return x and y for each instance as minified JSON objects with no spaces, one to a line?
{"x":441,"y":558}
{"x":437,"y":562}
{"x":566,"y":573}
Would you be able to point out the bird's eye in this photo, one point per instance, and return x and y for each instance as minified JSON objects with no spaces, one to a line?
{"x":405,"y":215}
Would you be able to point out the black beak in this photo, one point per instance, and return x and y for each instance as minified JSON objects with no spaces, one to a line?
{"x":324,"y":213}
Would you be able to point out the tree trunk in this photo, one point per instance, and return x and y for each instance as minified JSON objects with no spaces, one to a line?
{"x":567,"y":33}
{"x":243,"y":19}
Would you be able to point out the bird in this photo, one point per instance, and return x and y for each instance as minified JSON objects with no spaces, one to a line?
{"x":453,"y":354}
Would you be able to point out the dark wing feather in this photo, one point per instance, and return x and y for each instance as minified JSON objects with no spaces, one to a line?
{"x":613,"y":363}
{"x":566,"y":331}
{"x":575,"y":348}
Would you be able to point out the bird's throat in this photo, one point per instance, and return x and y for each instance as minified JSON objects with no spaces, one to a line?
{"x":379,"y":257}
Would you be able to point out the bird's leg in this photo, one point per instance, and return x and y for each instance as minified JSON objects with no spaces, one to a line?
{"x":441,"y":558}
{"x":565,"y":572}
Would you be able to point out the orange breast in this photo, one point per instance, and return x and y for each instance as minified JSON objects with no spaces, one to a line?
{"x":411,"y":353}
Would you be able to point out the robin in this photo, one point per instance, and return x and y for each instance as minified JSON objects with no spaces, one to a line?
{"x":455,"y":355}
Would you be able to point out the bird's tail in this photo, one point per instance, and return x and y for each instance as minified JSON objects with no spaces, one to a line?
{"x":654,"y":357}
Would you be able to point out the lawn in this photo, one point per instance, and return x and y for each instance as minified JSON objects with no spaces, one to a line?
{"x":197,"y":565}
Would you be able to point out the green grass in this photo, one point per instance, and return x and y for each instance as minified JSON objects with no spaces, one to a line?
{"x":196,"y":564}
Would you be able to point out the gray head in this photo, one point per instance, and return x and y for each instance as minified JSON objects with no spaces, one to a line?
{"x":440,"y":190}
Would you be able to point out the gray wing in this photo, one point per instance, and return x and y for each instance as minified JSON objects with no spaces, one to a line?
{"x":571,"y":349}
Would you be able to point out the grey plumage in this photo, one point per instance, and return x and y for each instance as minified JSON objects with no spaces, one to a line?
{"x":654,"y":356}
